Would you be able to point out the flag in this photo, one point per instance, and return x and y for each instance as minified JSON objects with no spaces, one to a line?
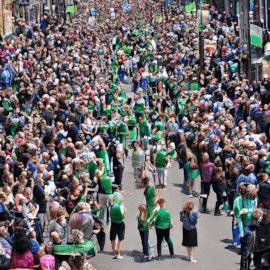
{"x":190,"y":7}
{"x":256,"y":36}
{"x":70,"y":9}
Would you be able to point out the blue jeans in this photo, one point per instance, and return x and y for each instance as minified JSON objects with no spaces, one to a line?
{"x":121,"y":74}
{"x":144,"y":238}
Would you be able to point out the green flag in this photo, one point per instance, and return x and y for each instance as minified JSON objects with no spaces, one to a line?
{"x":190,"y":7}
{"x":70,"y":9}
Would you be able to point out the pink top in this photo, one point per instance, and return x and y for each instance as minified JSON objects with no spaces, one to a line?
{"x":47,"y":262}
{"x":22,"y":261}
{"x":207,"y":171}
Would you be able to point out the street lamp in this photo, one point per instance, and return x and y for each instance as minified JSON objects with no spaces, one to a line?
{"x":202,"y":21}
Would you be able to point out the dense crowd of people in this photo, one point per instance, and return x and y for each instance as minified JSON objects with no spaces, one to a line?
{"x":67,"y":127}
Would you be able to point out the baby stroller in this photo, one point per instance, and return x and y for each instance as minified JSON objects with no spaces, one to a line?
{"x":260,"y":244}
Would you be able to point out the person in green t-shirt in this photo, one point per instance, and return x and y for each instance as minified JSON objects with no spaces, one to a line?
{"x":149,"y":194}
{"x":162,"y":163}
{"x":144,"y":231}
{"x":161,"y":219}
{"x":118,"y":214}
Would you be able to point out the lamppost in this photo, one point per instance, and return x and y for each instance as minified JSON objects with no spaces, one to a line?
{"x":202,"y":21}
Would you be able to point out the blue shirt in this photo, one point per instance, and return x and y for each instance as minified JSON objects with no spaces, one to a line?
{"x":251,"y":178}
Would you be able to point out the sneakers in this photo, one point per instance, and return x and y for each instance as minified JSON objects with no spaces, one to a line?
{"x":203,"y":196}
{"x":219,"y":213}
{"x":118,"y":257}
{"x":160,"y":258}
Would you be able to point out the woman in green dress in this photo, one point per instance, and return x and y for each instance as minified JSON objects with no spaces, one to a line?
{"x":192,"y":170}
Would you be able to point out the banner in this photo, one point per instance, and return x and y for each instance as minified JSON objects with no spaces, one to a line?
{"x":190,"y":7}
{"x":256,"y":36}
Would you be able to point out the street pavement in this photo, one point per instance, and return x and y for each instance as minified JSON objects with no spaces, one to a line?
{"x":212,"y":232}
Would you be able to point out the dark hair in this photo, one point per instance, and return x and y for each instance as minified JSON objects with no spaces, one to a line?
{"x":20,"y":244}
{"x":145,"y":181}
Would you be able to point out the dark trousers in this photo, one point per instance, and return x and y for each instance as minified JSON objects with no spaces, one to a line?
{"x":163,"y":233}
{"x":118,"y":174}
{"x":144,"y":237}
{"x":206,"y":186}
{"x":230,"y":199}
{"x":38,"y":231}
{"x":245,"y":251}
{"x":218,"y":188}
{"x":101,"y":237}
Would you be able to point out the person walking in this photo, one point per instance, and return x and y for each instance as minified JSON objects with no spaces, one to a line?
{"x":138,"y":160}
{"x":118,"y":214}
{"x":206,"y":169}
{"x":189,"y":219}
{"x":144,"y":231}
{"x":161,"y":219}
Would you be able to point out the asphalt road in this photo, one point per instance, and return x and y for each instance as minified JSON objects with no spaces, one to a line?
{"x":212,"y":232}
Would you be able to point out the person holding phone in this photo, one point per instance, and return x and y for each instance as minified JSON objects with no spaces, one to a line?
{"x":189,"y":218}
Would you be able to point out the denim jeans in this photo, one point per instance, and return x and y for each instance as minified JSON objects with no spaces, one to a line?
{"x":121,"y":74}
{"x":144,"y":237}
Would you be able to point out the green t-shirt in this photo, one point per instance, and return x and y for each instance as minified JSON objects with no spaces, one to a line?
{"x":141,"y":224}
{"x":150,"y":196}
{"x":96,"y":211}
{"x":160,"y":159}
{"x":161,"y":219}
{"x":91,"y":167}
{"x":244,"y":220}
{"x":105,"y":185}
{"x":116,"y":214}
{"x":172,"y":154}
